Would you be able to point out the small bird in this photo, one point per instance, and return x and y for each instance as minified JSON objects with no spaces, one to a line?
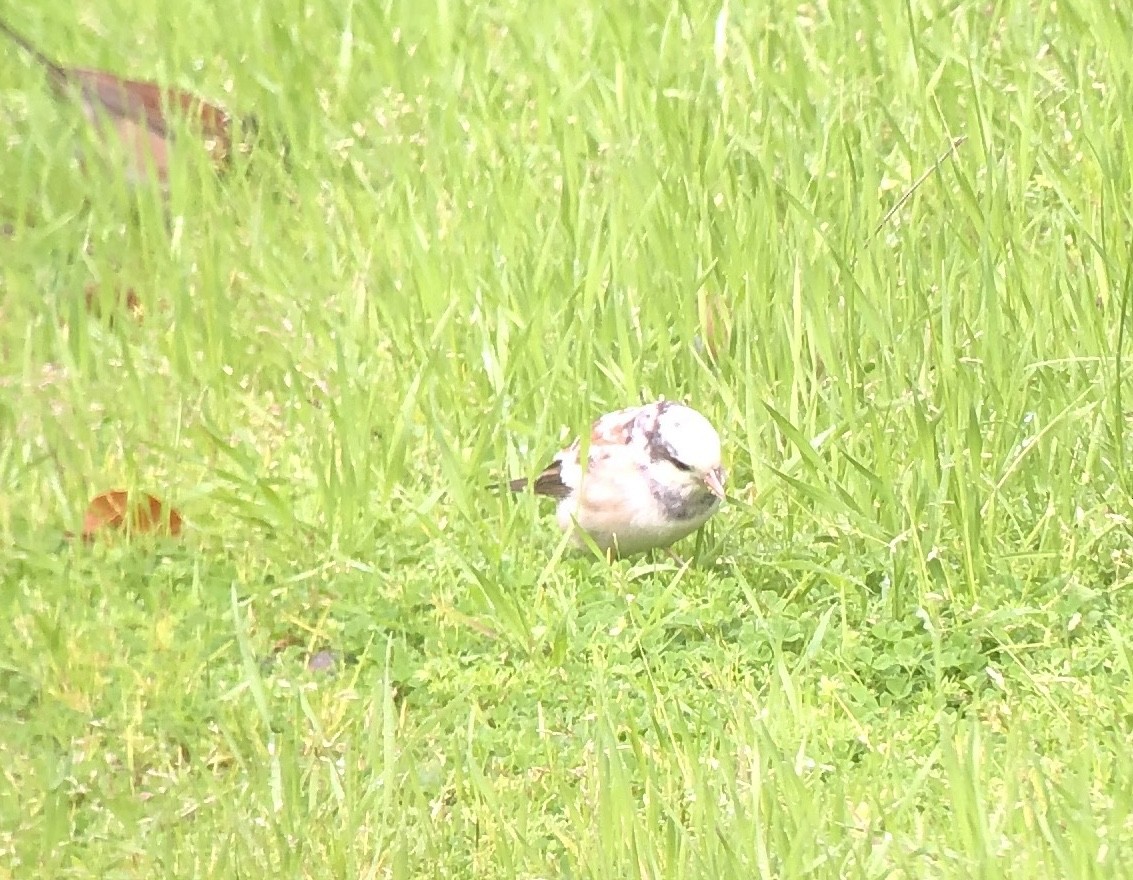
{"x":652,"y":476}
{"x":139,"y":114}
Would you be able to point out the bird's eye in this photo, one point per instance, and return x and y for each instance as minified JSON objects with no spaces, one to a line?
{"x":680,"y":465}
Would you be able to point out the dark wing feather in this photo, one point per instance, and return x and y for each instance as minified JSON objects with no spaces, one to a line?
{"x":548,"y":483}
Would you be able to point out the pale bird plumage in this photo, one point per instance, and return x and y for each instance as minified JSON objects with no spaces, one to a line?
{"x":653,"y":476}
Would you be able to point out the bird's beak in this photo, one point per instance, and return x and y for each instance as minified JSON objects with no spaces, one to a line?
{"x":714,"y":480}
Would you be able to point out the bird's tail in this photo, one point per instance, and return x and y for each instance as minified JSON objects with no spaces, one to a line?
{"x":518,"y":485}
{"x":57,"y":71}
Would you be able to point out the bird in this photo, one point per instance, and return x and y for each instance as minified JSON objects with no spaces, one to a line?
{"x":653,"y":475}
{"x":140,"y":115}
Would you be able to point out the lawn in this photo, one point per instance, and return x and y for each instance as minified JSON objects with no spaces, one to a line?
{"x":902,"y":650}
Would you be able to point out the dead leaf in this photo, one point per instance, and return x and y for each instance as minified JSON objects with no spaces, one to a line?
{"x":136,"y":513}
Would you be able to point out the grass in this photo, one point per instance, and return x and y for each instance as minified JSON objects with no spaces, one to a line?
{"x":904,"y":648}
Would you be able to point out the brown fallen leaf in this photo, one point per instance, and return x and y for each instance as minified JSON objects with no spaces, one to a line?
{"x":136,"y":513}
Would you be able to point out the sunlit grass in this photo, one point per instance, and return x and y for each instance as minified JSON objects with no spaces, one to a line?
{"x":902,"y":650}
